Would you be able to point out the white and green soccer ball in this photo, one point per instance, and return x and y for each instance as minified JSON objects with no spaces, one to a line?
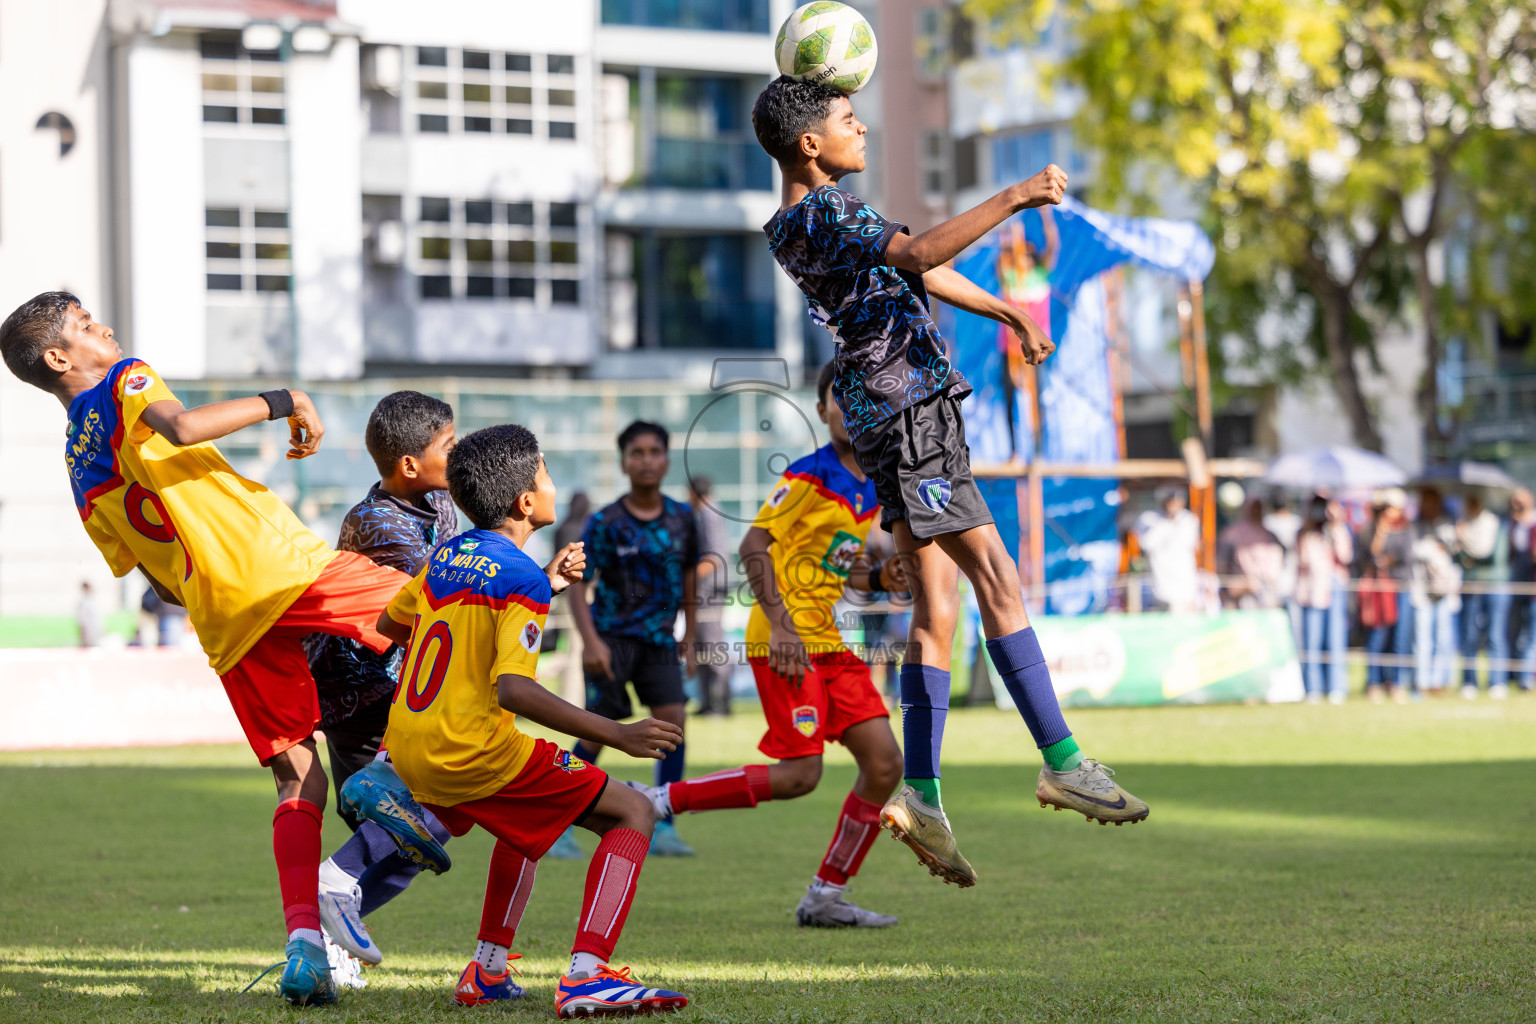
{"x":829,"y":43}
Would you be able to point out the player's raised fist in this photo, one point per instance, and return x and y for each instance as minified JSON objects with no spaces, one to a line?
{"x":649,"y":738}
{"x":1045,"y":188}
{"x":304,"y":427}
{"x":567,"y":566}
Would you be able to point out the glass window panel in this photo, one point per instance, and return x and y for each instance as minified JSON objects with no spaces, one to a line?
{"x":436,"y":286}
{"x":221,"y":115}
{"x":219,"y":83}
{"x":271,"y":282}
{"x":477,"y":124}
{"x":432,"y":122}
{"x":519,"y":94}
{"x":267,"y":115}
{"x":478,"y":287}
{"x":271,"y":250}
{"x":515,"y":126}
{"x":560,"y":64}
{"x":562,"y":215}
{"x":224,"y":282}
{"x":474,"y":93}
{"x":522,"y":287}
{"x":435,"y":208}
{"x":477,"y":60}
{"x":519,"y":62}
{"x":266,"y":83}
{"x":271,"y":218}
{"x":565,"y":291}
{"x":479,"y":250}
{"x":221,"y":217}
{"x":437,"y":248}
{"x":219,"y":47}
{"x":478,"y":211}
{"x":520,"y":250}
{"x":562,"y":252}
{"x":432,"y":56}
{"x":519,"y":213}
{"x":562,"y":130}
{"x":562,"y":97}
{"x":432,"y":90}
{"x":222,"y":250}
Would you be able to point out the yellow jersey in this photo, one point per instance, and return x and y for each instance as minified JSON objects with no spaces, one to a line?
{"x":229,"y":549}
{"x":818,"y":514}
{"x":476,"y":612}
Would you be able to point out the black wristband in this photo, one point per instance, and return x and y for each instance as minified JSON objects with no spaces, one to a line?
{"x":279,"y":403}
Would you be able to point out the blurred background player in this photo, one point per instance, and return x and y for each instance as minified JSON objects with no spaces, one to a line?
{"x":398,"y":523}
{"x":642,"y":560}
{"x":801,"y":551}
{"x":712,"y":670}
{"x":474,"y":620}
{"x":868,"y":282}
{"x":154,"y":494}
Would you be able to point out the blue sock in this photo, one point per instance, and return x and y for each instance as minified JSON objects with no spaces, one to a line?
{"x":670,"y":768}
{"x":924,"y":708}
{"x":1021,"y":663}
{"x":368,"y":845}
{"x":586,"y":753}
{"x":387,"y":872}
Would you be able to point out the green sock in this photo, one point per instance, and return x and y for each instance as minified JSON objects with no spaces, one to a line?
{"x":1062,"y":756}
{"x":928,"y":789}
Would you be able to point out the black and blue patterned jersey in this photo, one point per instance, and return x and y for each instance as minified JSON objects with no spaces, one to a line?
{"x":889,"y":352}
{"x":352,"y":681}
{"x":639,"y":567}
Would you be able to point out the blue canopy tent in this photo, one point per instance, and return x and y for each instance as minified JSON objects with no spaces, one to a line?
{"x":1078,"y":420}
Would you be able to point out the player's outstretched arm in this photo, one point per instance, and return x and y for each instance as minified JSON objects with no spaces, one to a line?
{"x":182,"y":426}
{"x":943,"y":242}
{"x":526,"y":697}
{"x":949,"y":285}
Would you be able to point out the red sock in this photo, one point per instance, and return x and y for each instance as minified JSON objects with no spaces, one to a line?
{"x":508,"y":885}
{"x":857,"y":828}
{"x":296,"y":847}
{"x":611,"y":880}
{"x":739,"y":787}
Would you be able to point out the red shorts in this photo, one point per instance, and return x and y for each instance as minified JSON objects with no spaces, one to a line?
{"x":838,"y":694}
{"x":270,"y":688}
{"x":554,"y":791}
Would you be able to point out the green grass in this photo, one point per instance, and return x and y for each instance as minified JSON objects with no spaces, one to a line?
{"x":1364,"y":863}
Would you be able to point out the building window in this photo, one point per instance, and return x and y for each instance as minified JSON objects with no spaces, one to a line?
{"x":1022,"y":154}
{"x":703,"y":136}
{"x":241,"y":86}
{"x":716,"y":15}
{"x":246,"y":249}
{"x":484,"y":249}
{"x":697,"y":289}
{"x":935,"y":163}
{"x":485,"y":93}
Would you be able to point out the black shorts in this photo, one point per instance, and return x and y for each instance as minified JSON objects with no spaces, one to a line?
{"x":654,"y":670}
{"x":352,"y":745}
{"x":921,"y":467}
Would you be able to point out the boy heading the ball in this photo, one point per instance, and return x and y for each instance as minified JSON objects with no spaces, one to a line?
{"x":473,"y":621}
{"x":868,"y":281}
{"x":154,"y":494}
{"x":800,"y":552}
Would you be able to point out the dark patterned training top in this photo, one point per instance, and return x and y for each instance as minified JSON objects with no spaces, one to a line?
{"x":639,"y":567}
{"x":889,"y":353}
{"x":355,"y":684}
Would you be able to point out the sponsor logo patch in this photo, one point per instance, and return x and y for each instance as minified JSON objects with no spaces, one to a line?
{"x":935,"y":493}
{"x":842,"y":553}
{"x":779,"y":494}
{"x":569,"y":762}
{"x":138,"y":382}
{"x":806,"y":720}
{"x":531,"y":636}
{"x":469,"y":545}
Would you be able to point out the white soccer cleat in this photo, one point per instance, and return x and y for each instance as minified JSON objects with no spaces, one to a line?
{"x":346,"y":969}
{"x":341,"y":916}
{"x":659,"y":796}
{"x":831,"y":909}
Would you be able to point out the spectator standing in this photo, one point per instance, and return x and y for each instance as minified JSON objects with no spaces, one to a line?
{"x":1169,"y":536}
{"x":1282,"y":521}
{"x":1385,"y":560}
{"x":1482,"y":548}
{"x":1250,"y":560}
{"x":712,"y":668}
{"x":88,"y":616}
{"x":170,"y":619}
{"x":1324,"y":552}
{"x":1522,"y":569}
{"x":1436,"y":594}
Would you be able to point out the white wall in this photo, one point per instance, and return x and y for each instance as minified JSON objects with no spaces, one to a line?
{"x":165,"y":216}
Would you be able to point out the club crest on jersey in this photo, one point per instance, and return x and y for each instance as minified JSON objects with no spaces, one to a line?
{"x":469,"y":545}
{"x":842,"y":553}
{"x":806,"y":720}
{"x":531,"y":636}
{"x":779,"y":494}
{"x":858,"y":504}
{"x":138,"y":382}
{"x":569,"y":762}
{"x":935,"y":493}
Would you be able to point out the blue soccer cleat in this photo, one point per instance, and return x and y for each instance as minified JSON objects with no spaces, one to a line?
{"x":307,"y":978}
{"x":377,"y":793}
{"x":566,"y":847}
{"x":478,"y":985}
{"x":665,"y":842}
{"x":610,"y":993}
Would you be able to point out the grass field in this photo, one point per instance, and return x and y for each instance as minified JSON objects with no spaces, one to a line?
{"x":1363,"y":863}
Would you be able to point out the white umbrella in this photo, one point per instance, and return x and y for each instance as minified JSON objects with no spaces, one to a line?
{"x":1470,"y":474}
{"x":1338,"y":467}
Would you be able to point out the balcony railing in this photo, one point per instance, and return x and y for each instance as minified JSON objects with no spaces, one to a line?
{"x":711,"y":163}
{"x":708,"y":15}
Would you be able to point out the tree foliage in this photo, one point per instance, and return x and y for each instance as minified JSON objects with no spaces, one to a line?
{"x":1338,"y":151}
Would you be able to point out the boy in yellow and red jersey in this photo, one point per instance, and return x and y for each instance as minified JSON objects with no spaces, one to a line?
{"x":155,"y":495}
{"x":801,"y":551}
{"x":474,"y":620}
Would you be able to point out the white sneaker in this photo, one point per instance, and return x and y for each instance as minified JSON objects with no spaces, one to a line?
{"x":823,"y":908}
{"x":341,"y":916}
{"x":659,"y":796}
{"x":1498,"y":691}
{"x":346,"y":969}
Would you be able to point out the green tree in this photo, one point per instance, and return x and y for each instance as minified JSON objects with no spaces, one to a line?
{"x":1334,"y":148}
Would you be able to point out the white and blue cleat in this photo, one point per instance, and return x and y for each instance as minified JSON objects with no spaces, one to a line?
{"x":377,"y":793}
{"x":610,"y":993}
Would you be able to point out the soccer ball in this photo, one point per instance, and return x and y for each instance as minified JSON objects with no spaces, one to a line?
{"x":827,"y":42}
